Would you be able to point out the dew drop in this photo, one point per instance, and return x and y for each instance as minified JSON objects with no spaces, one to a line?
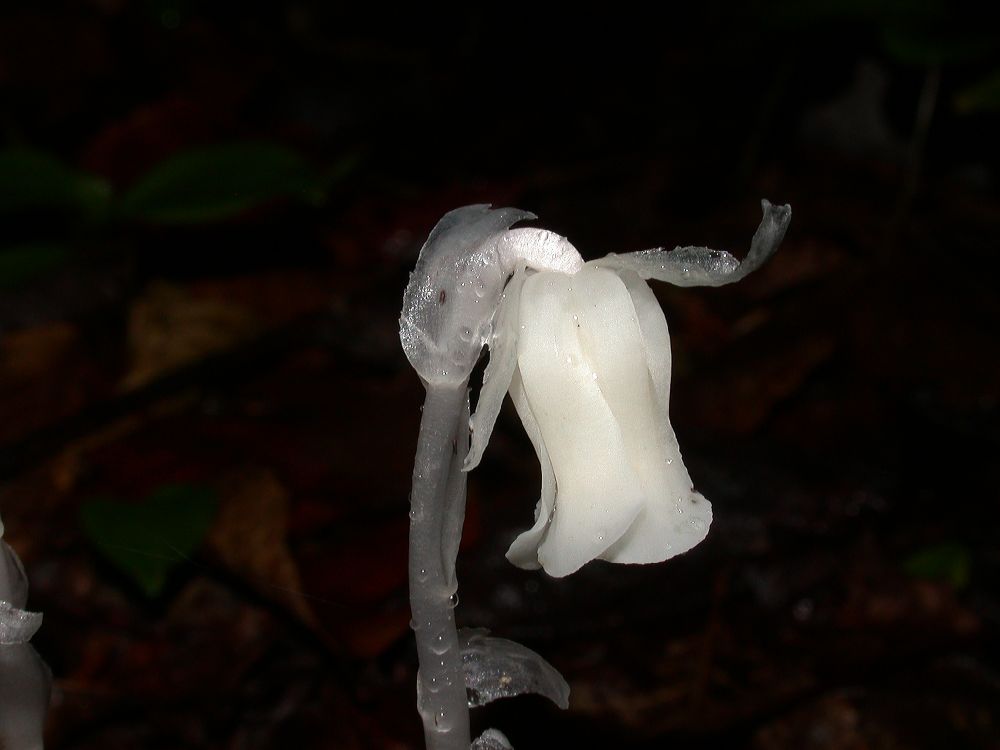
{"x":439,"y":645}
{"x":453,"y":600}
{"x":465,"y":333}
{"x":697,"y":524}
{"x":669,"y":461}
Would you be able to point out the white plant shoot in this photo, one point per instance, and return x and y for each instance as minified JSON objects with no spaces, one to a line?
{"x":25,"y":680}
{"x":584,"y":351}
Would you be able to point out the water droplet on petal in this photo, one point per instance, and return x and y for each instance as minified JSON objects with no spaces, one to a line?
{"x":453,"y":600}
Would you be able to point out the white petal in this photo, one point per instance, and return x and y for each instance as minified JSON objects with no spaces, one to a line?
{"x":655,"y":334}
{"x":496,"y":378}
{"x":539,"y":249}
{"x":676,"y":518}
{"x":524,"y":551}
{"x":599,"y":493}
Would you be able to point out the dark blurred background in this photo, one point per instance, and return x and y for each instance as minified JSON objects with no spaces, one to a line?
{"x":208,"y":213}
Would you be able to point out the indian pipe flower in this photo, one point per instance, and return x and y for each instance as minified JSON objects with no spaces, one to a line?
{"x":585,"y":355}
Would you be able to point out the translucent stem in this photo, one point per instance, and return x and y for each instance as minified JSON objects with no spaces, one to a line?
{"x":437,"y":509}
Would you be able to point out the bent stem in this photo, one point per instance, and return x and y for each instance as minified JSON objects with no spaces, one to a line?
{"x":437,"y":510}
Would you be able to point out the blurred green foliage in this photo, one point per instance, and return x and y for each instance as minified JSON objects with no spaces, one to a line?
{"x":926,"y":33}
{"x":931,"y":45}
{"x":22,"y":264}
{"x":950,"y":562}
{"x":196,"y":186}
{"x":148,"y":540}
{"x":219,"y":182}
{"x":982,"y":96}
{"x":34,"y":180}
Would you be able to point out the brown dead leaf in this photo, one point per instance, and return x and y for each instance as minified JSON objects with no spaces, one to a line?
{"x":737,"y":401}
{"x":832,"y":723}
{"x":249,"y":537}
{"x":34,"y":351}
{"x":372,"y":633}
{"x":276,"y":296}
{"x":168,"y":328}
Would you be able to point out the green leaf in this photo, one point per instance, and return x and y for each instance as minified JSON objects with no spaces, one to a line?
{"x":22,"y":264}
{"x":32,"y":179}
{"x":950,"y":562}
{"x":981,"y":96}
{"x":218,"y":182}
{"x":147,"y":540}
{"x":932,"y":46}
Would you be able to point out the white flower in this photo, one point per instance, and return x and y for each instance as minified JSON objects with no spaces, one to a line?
{"x":585,"y":356}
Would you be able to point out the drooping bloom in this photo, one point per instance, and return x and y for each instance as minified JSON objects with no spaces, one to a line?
{"x":585,"y":355}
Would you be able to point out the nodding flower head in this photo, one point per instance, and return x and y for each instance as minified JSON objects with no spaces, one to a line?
{"x":584,"y":351}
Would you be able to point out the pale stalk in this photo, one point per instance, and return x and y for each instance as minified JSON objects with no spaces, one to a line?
{"x":437,"y":510}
